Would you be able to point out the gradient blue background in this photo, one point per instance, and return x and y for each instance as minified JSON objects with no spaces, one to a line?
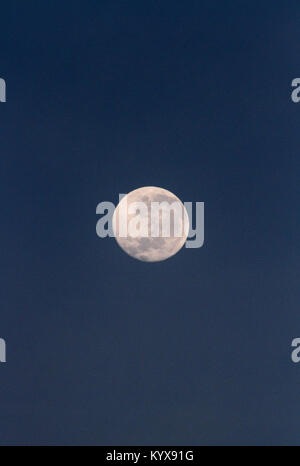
{"x":107,"y":96}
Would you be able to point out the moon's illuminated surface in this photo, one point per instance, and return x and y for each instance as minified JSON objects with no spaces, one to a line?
{"x":140,"y":242}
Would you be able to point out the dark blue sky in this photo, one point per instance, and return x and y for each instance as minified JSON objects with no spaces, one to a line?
{"x":107,"y":96}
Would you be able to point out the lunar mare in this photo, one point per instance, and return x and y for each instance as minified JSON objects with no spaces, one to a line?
{"x":143,"y":235}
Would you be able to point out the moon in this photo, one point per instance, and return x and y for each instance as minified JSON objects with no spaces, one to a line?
{"x":143,"y":235}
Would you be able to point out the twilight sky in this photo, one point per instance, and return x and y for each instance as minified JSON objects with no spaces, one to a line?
{"x":104,"y":97}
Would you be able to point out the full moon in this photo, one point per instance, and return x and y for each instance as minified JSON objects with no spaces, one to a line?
{"x":144,"y":235}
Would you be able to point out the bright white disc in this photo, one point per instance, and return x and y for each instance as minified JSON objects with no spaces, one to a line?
{"x":142,"y":244}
